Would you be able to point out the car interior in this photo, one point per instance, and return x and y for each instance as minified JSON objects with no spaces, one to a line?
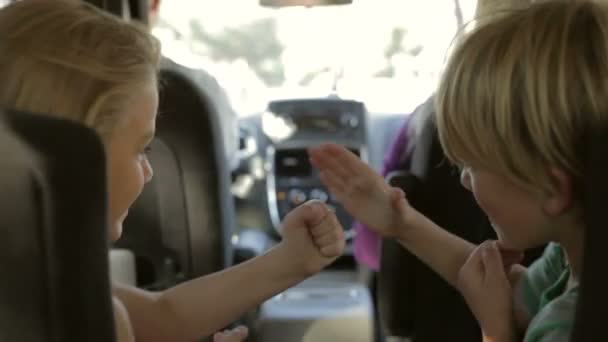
{"x":222,"y":185}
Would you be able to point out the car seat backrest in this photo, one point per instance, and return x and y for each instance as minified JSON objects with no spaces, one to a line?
{"x":156,"y":229}
{"x":186,"y":215}
{"x":592,"y":308}
{"x":55,"y":283}
{"x":413,"y":300}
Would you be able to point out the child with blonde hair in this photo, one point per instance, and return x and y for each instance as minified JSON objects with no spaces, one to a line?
{"x":515,"y":97}
{"x":67,"y":59}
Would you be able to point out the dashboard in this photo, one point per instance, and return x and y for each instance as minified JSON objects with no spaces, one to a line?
{"x":291,"y":180}
{"x":284,"y":132}
{"x":321,"y":116}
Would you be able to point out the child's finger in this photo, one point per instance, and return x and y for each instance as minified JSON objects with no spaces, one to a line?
{"x":327,"y":162}
{"x":509,"y":257}
{"x":321,"y":229}
{"x":333,"y":251}
{"x":494,"y":267}
{"x":398,"y":199}
{"x":474,"y":264}
{"x":332,"y":242}
{"x":397,"y":194}
{"x":333,"y":182}
{"x":472,"y":271}
{"x":329,"y":238}
{"x":348,"y":160}
{"x":331,"y":231}
{"x":309,"y":214}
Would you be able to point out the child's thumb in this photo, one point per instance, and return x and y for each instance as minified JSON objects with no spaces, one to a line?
{"x":492,"y":261}
{"x":397,"y":197}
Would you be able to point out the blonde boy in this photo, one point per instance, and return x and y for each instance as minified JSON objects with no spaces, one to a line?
{"x":515,"y":98}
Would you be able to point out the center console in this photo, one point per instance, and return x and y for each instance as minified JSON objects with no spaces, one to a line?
{"x":291,"y":179}
{"x":334,"y":305}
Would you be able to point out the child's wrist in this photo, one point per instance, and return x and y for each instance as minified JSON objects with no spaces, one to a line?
{"x":293,"y":266}
{"x":409,"y":224}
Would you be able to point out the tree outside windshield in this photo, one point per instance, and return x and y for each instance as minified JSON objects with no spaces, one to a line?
{"x":386,"y":53}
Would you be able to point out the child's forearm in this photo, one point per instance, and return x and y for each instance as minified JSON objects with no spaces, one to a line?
{"x":441,"y":250}
{"x":222,"y":297}
{"x":200,"y":307}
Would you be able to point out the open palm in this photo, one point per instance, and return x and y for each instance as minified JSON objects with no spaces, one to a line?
{"x":360,"y":190}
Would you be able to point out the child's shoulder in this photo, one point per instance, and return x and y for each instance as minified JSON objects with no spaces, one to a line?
{"x":547,"y":297}
{"x":551,"y":265}
{"x":554,"y":321}
{"x":545,"y":279}
{"x":547,"y":269}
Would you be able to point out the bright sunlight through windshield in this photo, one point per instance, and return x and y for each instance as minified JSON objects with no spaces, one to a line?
{"x":386,"y":53}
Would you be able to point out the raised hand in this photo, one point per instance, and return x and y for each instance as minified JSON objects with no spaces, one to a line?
{"x":361,"y":191}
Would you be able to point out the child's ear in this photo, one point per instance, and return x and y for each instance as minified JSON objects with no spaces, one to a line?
{"x":559,"y":198}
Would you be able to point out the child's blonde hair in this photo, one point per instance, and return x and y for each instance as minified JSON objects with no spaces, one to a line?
{"x":69,"y":59}
{"x":519,"y":90}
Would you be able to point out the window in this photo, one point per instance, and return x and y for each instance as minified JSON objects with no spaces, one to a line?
{"x":386,"y":53}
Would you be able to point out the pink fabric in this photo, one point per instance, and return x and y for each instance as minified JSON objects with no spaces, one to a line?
{"x":367,"y":244}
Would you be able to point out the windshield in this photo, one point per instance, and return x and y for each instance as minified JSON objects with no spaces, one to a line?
{"x":386,"y":53}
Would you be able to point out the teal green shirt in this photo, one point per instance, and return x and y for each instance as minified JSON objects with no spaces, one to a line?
{"x":546,"y":298}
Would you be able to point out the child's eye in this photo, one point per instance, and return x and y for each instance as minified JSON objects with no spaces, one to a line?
{"x":145,"y":151}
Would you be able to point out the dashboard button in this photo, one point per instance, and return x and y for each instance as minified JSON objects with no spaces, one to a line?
{"x":281,"y":195}
{"x":297,"y":196}
{"x":349,"y":120}
{"x":318,"y":194}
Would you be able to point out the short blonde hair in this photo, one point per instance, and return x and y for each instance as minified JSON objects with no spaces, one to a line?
{"x":486,"y":8}
{"x":519,"y":90}
{"x":66,"y":58}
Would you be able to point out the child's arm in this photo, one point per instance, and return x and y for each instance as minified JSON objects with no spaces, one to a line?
{"x":367,"y":197}
{"x":312,"y":239}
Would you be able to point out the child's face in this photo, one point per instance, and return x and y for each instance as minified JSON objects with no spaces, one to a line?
{"x":517,"y":215}
{"x":128,"y":166}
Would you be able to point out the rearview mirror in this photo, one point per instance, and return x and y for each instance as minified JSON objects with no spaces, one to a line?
{"x":306,"y":3}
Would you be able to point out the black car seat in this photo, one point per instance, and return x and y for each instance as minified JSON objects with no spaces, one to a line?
{"x":53,"y":257}
{"x":181,"y":225}
{"x":592,"y":308}
{"x":414,"y":302}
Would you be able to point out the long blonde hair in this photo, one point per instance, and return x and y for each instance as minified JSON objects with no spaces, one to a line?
{"x":69,"y":59}
{"x":518,"y":90}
